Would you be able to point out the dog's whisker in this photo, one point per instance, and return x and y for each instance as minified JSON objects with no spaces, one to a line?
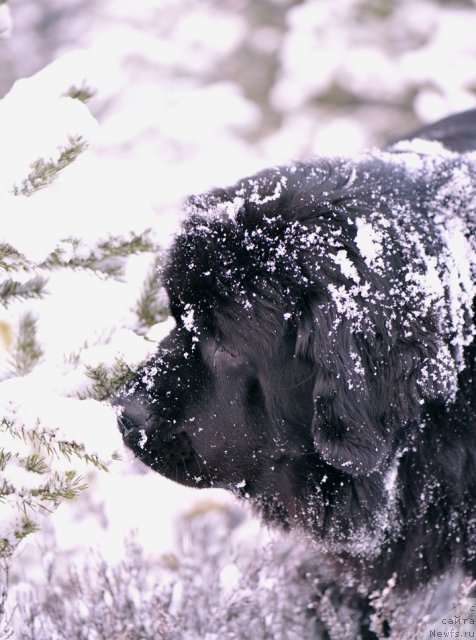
{"x":199,"y":465}
{"x":311,"y":376}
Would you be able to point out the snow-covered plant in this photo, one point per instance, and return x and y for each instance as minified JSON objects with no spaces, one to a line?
{"x":217,"y":586}
{"x":56,"y":369}
{"x":226,"y":581}
{"x":29,"y":481}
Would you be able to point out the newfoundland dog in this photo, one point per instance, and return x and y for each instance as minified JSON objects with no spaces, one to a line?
{"x":323,"y":360}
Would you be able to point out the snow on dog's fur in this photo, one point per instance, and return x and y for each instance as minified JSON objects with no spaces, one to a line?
{"x":322,"y":364}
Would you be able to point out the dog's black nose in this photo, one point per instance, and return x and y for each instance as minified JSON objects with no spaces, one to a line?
{"x":133,"y":415}
{"x":125,"y":425}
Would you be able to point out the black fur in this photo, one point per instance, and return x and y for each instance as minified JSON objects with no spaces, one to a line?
{"x":323,"y":359}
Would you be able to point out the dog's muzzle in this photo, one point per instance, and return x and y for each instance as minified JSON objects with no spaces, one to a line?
{"x":131,"y":416}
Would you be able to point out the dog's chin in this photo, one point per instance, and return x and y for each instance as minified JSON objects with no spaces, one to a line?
{"x":175,"y":459}
{"x":271,"y":496}
{"x":275,"y":508}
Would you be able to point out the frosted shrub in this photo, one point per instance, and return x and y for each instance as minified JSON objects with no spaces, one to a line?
{"x":224,"y":583}
{"x":213,"y":589}
{"x":62,"y":350}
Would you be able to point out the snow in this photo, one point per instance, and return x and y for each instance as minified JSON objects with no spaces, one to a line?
{"x":44,"y":132}
{"x":11,"y":517}
{"x":369,"y":242}
{"x":278,"y":189}
{"x":143,"y":438}
{"x":175,"y":119}
{"x":345,"y":301}
{"x":5,"y":22}
{"x":125,"y":344}
{"x":188,"y":318}
{"x":230,"y":577}
{"x":158,"y":331}
{"x":68,"y":417}
{"x":347,"y":267}
{"x":75,"y":328}
{"x":22,"y":479}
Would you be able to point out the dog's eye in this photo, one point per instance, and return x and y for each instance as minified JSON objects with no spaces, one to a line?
{"x":222,"y":349}
{"x":223,"y":357}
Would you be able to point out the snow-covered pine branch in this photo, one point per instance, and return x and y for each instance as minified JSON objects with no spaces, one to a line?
{"x":71,"y":323}
{"x":45,"y":171}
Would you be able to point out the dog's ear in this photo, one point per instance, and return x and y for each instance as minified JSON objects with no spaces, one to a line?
{"x":347,"y":426}
{"x":366,"y":387}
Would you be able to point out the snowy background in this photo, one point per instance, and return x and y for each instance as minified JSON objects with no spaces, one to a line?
{"x":186,"y":95}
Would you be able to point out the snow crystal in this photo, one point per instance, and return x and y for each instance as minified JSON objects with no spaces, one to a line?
{"x":143,"y":438}
{"x":188,"y":318}
{"x":346,"y":302}
{"x":148,"y":377}
{"x":257,"y":198}
{"x":229,"y":209}
{"x":391,"y":480}
{"x":347,"y":267}
{"x":368,"y":241}
{"x":460,"y":279}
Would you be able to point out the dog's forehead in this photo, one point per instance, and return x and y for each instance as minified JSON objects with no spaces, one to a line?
{"x":254,"y":242}
{"x":216,"y":260}
{"x":332,"y":231}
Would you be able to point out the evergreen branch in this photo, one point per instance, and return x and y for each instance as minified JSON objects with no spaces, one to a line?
{"x":46,"y":440}
{"x":7,"y":425}
{"x":96,"y":462}
{"x":26,"y":352}
{"x":43,"y":172}
{"x":11,"y":259}
{"x":107,"y":257}
{"x":92,"y":263}
{"x":61,"y":487}
{"x":150,"y":308}
{"x":27,"y":527}
{"x":105,"y":381}
{"x":5,"y":489}
{"x":36,"y":464}
{"x":82,"y":93}
{"x":4,"y":458}
{"x":12,"y":290}
{"x":118,"y":246}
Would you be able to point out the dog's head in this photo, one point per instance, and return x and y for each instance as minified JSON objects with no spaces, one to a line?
{"x":295,"y":362}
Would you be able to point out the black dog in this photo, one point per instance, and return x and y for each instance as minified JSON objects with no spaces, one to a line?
{"x":323,"y":360}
